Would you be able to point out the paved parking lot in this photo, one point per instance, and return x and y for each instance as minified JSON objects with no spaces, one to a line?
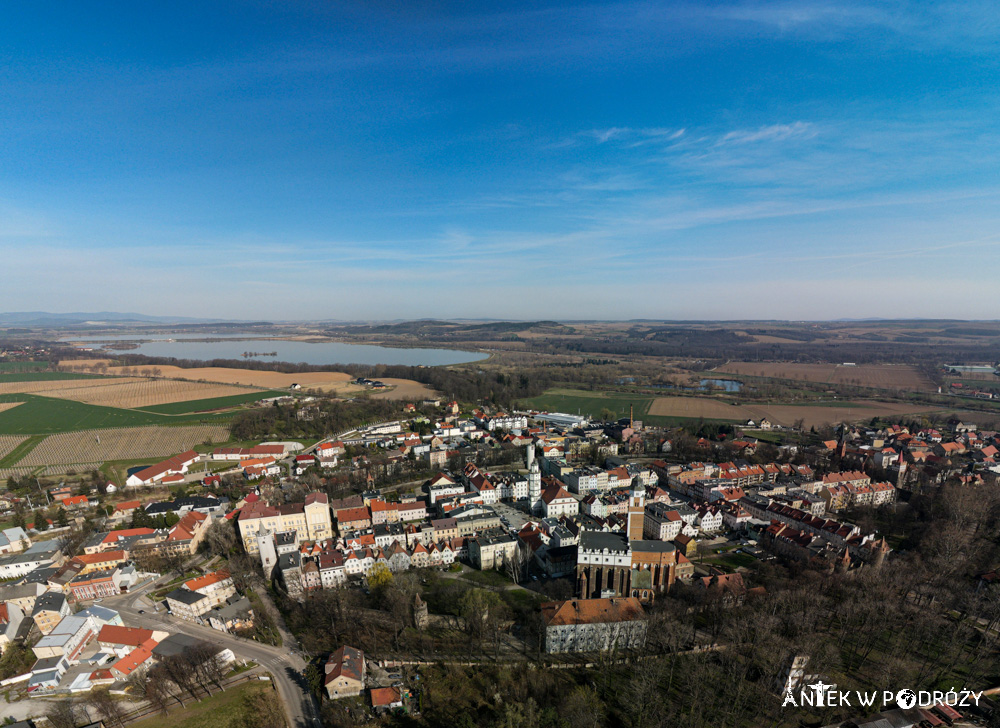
{"x":515,"y":518}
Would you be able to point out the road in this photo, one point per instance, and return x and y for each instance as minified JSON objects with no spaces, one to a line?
{"x":285,"y":664}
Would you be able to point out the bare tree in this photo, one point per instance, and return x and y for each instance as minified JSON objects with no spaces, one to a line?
{"x":110,"y":710}
{"x":63,"y":714}
{"x":206,"y":664}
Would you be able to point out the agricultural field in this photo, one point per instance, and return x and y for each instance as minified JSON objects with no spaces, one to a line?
{"x":4,"y":406}
{"x":44,"y":386}
{"x":137,"y":393}
{"x":22,"y":366}
{"x":212,"y":404}
{"x":8,"y":443}
{"x":405,"y":389}
{"x":579,"y":401}
{"x":815,"y":414}
{"x":698,"y":407}
{"x":325,"y":381}
{"x":42,"y":376}
{"x":46,"y":415}
{"x":127,"y":443}
{"x":880,"y":376}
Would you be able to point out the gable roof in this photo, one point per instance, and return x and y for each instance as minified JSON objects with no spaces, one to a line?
{"x":347,"y":661}
{"x":591,"y":611}
{"x":133,"y":636}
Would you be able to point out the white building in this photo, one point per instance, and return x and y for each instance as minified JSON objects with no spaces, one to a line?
{"x":556,"y":502}
{"x":592,"y":625}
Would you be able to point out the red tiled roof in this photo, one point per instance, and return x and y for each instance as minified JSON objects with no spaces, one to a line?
{"x":207,"y":580}
{"x":384,"y":696}
{"x":133,"y":636}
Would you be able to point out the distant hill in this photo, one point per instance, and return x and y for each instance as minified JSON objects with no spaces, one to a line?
{"x":44,"y":318}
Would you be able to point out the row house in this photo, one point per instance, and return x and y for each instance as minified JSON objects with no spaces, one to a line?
{"x":513,"y":486}
{"x":661,"y":522}
{"x":709,"y":518}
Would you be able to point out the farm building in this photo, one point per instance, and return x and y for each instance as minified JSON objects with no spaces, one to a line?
{"x":178,"y":464}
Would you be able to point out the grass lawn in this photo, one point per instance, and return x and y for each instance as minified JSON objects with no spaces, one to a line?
{"x":218,"y":711}
{"x":48,"y":415}
{"x":579,"y":401}
{"x":208,"y":405}
{"x":732,"y":560}
{"x":489,"y":578}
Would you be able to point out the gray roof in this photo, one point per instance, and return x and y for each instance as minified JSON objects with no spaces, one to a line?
{"x":99,"y":613}
{"x":599,"y":541}
{"x":652,"y":547}
{"x":186,"y":596}
{"x":234,"y":608}
{"x":43,"y":548}
{"x":52,"y":601}
{"x":41,"y":575}
{"x":18,"y":591}
{"x":174,"y":645}
{"x":289,"y":561}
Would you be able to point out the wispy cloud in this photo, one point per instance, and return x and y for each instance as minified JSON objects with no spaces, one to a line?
{"x":770,"y":133}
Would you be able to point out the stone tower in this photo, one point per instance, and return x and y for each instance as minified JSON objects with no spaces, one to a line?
{"x":420,"y":615}
{"x":843,"y":563}
{"x":878,"y":553}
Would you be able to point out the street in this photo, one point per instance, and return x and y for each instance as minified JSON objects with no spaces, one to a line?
{"x":284,"y":663}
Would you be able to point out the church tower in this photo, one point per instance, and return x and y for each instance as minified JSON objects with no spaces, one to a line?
{"x":534,"y":481}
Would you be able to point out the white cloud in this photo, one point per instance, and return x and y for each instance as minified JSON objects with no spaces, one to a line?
{"x":770,"y":133}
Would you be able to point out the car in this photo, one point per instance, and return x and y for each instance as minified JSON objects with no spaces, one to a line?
{"x":142,"y":611}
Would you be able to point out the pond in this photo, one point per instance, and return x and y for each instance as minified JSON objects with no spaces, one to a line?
{"x":246,"y":346}
{"x":727,"y":385}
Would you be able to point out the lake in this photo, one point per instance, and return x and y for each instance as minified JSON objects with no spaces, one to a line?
{"x":180,"y":346}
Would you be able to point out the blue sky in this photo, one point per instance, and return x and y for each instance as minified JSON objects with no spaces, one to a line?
{"x":378,"y":160}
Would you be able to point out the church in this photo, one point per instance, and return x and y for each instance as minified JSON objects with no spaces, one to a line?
{"x":623,"y":564}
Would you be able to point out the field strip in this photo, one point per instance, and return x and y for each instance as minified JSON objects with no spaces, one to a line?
{"x":20,"y":450}
{"x":4,"y":406}
{"x":9,"y":443}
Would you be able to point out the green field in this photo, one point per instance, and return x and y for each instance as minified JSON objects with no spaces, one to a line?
{"x":212,"y":404}
{"x":47,"y":415}
{"x":22,"y":366}
{"x":582,"y":402}
{"x":6,"y":376}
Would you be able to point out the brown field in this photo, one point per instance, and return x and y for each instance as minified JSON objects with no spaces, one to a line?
{"x":339,"y":382}
{"x":4,"y":406}
{"x":45,"y":386}
{"x":779,"y":414}
{"x":697,"y":407}
{"x":137,"y":393}
{"x":882,"y":376}
{"x":126,"y":392}
{"x":9,"y":442}
{"x":125,"y":443}
{"x":405,"y":389}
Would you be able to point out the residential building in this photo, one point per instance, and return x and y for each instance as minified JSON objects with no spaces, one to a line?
{"x":556,"y":501}
{"x":49,"y":610}
{"x":491,"y":549}
{"x":591,"y":625}
{"x":345,"y":673}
